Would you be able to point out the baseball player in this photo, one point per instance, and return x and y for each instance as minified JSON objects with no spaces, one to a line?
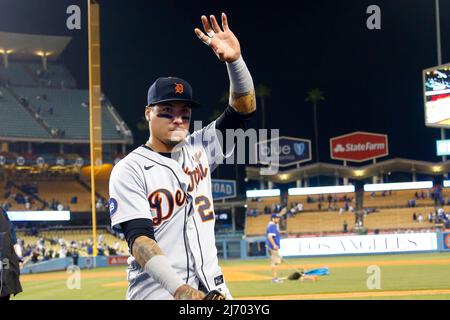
{"x":273,"y":244}
{"x":160,"y":194}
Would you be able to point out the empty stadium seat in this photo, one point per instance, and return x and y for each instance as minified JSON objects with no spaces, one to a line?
{"x":62,"y":109}
{"x":16,"y":121}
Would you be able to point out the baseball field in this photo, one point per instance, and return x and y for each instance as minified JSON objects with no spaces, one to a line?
{"x":399,"y":276}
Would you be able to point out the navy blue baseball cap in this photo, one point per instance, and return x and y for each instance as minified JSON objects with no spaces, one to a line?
{"x":275,"y":215}
{"x":170,"y":89}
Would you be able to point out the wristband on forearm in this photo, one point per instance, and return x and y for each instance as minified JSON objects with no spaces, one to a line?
{"x":240,"y":78}
{"x":160,"y":269}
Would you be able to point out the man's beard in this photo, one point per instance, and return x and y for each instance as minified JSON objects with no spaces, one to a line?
{"x":176,"y":140}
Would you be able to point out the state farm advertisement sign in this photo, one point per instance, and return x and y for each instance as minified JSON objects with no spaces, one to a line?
{"x":359,"y":146}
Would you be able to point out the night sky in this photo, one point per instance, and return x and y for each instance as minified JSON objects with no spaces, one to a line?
{"x":371,"y":79}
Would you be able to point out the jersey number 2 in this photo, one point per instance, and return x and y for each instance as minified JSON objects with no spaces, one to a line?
{"x":204,"y":208}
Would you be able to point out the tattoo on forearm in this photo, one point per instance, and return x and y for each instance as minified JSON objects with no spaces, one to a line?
{"x":144,"y":249}
{"x":243,"y":102}
{"x":188,"y":293}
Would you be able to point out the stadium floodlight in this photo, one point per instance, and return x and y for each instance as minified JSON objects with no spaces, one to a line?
{"x":320,"y":190}
{"x":398,"y":186}
{"x":446,"y":183}
{"x":263,"y":193}
{"x":39,"y":215}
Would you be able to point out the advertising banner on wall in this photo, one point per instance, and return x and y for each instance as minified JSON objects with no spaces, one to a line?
{"x":359,"y":146}
{"x":367,"y":244}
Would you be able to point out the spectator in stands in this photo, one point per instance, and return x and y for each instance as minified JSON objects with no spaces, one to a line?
{"x":60,"y":207}
{"x":411,"y":203}
{"x":74,"y":254}
{"x":99,"y":204}
{"x":430,"y":217}
{"x":329,"y":199}
{"x":420,"y":218}
{"x":100,"y":250}
{"x":111,"y":251}
{"x":74,"y":200}
{"x":23,"y":101}
{"x":6,"y":206}
{"x":89,"y":248}
{"x":63,"y":251}
{"x":50,"y":111}
{"x":102,"y":98}
{"x":35,"y":255}
{"x":442,"y":214}
{"x":414,"y":217}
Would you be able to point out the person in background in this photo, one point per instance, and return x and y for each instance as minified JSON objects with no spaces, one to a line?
{"x":10,"y":271}
{"x":345,"y":226}
{"x":273,"y":244}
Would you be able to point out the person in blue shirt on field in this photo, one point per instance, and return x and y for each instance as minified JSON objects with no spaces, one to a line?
{"x":273,"y":244}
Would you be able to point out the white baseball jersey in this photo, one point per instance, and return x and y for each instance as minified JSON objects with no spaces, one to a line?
{"x":176,"y":195}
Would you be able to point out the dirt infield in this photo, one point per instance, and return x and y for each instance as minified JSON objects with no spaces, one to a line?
{"x":349,"y":295}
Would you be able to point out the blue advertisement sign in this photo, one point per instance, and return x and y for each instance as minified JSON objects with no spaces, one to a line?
{"x":223,"y":189}
{"x":289,"y":150}
{"x":446,"y":242}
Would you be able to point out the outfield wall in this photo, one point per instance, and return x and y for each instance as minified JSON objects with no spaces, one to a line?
{"x":60,"y":264}
{"x":254,"y":247}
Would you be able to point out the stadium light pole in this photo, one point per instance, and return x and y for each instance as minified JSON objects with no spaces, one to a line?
{"x":439,"y":57}
{"x":95,"y":128}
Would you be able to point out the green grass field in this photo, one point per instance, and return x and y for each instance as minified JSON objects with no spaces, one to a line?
{"x":402,"y":276}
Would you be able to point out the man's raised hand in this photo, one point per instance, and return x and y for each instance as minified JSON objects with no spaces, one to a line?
{"x":223,"y":42}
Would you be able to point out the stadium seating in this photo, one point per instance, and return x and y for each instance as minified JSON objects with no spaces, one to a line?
{"x":256,"y":225}
{"x":80,"y":236}
{"x":63,"y":191}
{"x":303,"y":199}
{"x":16,"y":121}
{"x":396,"y":198}
{"x":398,"y":218}
{"x":17,"y":74}
{"x":320,"y":221}
{"x":56,"y":75}
{"x":306,"y":222}
{"x":62,"y":109}
{"x":262,"y":202}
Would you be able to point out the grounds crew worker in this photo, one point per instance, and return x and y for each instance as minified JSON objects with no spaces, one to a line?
{"x":9,"y":271}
